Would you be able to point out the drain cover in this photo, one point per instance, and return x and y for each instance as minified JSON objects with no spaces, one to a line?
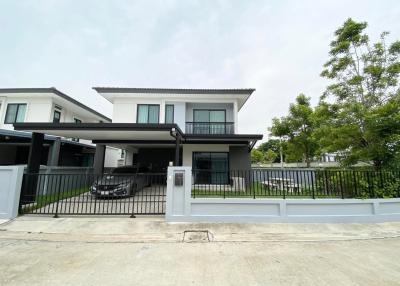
{"x":196,"y":236}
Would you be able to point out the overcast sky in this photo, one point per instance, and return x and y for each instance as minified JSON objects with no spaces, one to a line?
{"x":276,"y":47}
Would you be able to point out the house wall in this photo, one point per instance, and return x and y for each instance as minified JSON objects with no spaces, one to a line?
{"x":239,"y":158}
{"x":125,"y":108}
{"x":37,"y":109}
{"x":111,"y":157}
{"x":40,"y":108}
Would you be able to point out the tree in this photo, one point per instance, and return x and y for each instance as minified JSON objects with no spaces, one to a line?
{"x":270,"y":156}
{"x":272,"y":145}
{"x":357,"y":113}
{"x":257,"y":156}
{"x":298,"y":129}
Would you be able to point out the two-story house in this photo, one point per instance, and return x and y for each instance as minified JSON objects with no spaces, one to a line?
{"x":18,"y":105}
{"x":190,"y":127}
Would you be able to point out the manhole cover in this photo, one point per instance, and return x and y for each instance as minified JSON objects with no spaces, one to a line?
{"x":196,"y":236}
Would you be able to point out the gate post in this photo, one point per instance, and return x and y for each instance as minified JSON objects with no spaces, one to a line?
{"x":10,"y":195}
{"x":178,"y":193}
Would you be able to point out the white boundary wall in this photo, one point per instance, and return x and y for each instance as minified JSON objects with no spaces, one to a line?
{"x":182,"y":208}
{"x":10,"y":189}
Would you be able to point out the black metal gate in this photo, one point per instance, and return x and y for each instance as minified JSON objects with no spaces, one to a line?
{"x":89,"y":194}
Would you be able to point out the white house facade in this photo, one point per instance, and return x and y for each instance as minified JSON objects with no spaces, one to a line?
{"x":20,"y":105}
{"x":157,"y":127}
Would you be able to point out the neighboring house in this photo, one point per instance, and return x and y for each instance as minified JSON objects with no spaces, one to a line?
{"x":18,"y":105}
{"x":154,"y":127}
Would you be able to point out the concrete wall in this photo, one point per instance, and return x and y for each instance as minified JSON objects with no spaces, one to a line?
{"x":10,"y":182}
{"x":111,"y":157}
{"x":181,"y":207}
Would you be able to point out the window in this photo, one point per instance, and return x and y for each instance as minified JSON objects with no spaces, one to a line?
{"x":211,"y":167}
{"x":56,"y":116}
{"x":15,"y":113}
{"x":209,"y":121}
{"x":148,"y":113}
{"x":169,"y":113}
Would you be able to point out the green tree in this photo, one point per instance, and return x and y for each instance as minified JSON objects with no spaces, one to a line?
{"x":270,"y":156}
{"x":297,"y":128}
{"x":272,"y":145}
{"x":257,"y":156}
{"x":358,"y":113}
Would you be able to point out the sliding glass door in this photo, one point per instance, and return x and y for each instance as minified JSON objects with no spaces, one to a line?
{"x":209,"y":121}
{"x":211,"y":168}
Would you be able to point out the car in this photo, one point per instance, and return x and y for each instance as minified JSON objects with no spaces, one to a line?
{"x":121,"y":182}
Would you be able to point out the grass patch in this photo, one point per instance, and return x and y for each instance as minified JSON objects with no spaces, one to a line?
{"x":44,"y":200}
{"x":258,"y":190}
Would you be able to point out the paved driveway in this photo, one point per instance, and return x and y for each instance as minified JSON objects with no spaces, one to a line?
{"x":148,"y":251}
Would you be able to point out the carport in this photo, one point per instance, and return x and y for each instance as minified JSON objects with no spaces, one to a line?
{"x":120,"y":135}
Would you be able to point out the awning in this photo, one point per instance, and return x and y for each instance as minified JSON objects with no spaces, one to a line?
{"x":134,"y":133}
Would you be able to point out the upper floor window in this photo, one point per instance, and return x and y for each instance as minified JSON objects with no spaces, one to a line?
{"x":15,"y":113}
{"x":203,"y":115}
{"x":56,"y":116}
{"x":169,"y":113}
{"x":148,"y":113}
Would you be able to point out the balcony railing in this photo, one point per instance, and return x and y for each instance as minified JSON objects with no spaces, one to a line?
{"x":210,"y":128}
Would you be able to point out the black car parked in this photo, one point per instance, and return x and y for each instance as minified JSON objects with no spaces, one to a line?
{"x":121,"y":182}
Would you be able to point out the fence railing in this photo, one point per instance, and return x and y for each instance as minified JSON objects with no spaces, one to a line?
{"x":93,"y":194}
{"x":295,"y":183}
{"x":210,"y":128}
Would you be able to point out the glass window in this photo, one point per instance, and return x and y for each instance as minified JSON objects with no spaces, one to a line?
{"x":15,"y":113}
{"x":148,"y":113}
{"x":56,"y":116}
{"x":169,"y":113}
{"x":211,"y":167}
{"x":209,"y":121}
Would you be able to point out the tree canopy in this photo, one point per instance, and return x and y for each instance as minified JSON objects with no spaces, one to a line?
{"x":358,"y":116}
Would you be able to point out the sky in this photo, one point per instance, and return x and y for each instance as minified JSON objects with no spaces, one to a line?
{"x":276,"y":47}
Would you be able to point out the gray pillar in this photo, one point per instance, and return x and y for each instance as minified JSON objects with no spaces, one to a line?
{"x":98,"y":164}
{"x":54,"y":153}
{"x":35,"y":153}
{"x":177,"y":150}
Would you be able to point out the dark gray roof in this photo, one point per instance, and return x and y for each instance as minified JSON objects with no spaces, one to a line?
{"x":174,"y":90}
{"x":55,"y":91}
{"x":28,"y":135}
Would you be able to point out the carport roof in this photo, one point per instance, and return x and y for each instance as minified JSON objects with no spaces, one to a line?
{"x":104,"y":133}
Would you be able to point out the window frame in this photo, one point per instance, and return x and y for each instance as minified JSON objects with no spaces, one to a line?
{"x":207,"y":109}
{"x":212,"y":152}
{"x":16,"y":113}
{"x":173,"y":113}
{"x":148,"y":112}
{"x":59,"y":116}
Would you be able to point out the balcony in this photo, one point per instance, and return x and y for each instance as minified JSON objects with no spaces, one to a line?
{"x":210,"y":128}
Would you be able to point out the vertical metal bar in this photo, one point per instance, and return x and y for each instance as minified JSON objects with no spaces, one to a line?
{"x":58,"y":197}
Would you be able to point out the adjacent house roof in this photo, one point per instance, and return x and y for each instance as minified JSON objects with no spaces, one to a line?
{"x":57,"y":92}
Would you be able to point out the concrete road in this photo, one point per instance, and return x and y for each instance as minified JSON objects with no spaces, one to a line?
{"x":148,"y":251}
